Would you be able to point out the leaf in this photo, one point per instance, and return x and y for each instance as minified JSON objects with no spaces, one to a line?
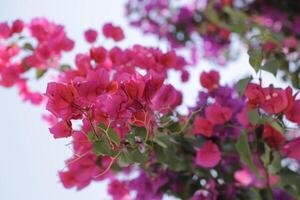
{"x":253,"y":116}
{"x":125,"y":159}
{"x":102,"y":147}
{"x":255,"y":58}
{"x":64,"y":67}
{"x":243,"y":149}
{"x":271,"y":66}
{"x":290,"y":178}
{"x":91,"y":136}
{"x":242,"y":84}
{"x":140,"y":132}
{"x":113,"y":136}
{"x":28,"y":46}
{"x":162,"y":140}
{"x":275,"y":165}
{"x":40,"y":73}
{"x":102,"y":126}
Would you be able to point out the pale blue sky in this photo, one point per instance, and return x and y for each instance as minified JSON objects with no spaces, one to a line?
{"x":30,"y":157}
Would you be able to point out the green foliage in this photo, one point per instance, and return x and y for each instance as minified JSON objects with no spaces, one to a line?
{"x":242,"y":84}
{"x":242,"y":147}
{"x":255,"y":58}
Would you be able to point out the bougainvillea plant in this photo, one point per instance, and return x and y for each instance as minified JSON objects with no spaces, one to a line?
{"x":240,"y":141}
{"x":211,"y":28}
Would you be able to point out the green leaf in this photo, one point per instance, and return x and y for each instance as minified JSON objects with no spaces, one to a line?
{"x":113,"y":136}
{"x":243,"y":149}
{"x":102,"y":147}
{"x":290,"y":178}
{"x":102,"y":126}
{"x":275,"y":165}
{"x":91,"y":136}
{"x":28,"y":46}
{"x":255,"y":58}
{"x":253,"y":116}
{"x":162,"y":140}
{"x":40,"y":73}
{"x":125,"y":159}
{"x":266,"y":157}
{"x":64,"y":67}
{"x":140,"y":132}
{"x":271,"y":66}
{"x":242,"y":84}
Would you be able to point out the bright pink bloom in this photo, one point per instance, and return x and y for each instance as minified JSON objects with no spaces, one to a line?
{"x":292,"y":149}
{"x":61,"y":129}
{"x":242,"y":117}
{"x":294,"y":113}
{"x":210,"y":80}
{"x":98,"y":54}
{"x":166,"y":99}
{"x":60,"y":100}
{"x":254,"y":94}
{"x":4,"y":30}
{"x":114,"y":32}
{"x":273,"y":137}
{"x":244,"y":177}
{"x":208,"y":155}
{"x":203,"y":127}
{"x":90,"y":35}
{"x":119,"y":190}
{"x":17,"y":26}
{"x":276,"y":100}
{"x":217,"y":114}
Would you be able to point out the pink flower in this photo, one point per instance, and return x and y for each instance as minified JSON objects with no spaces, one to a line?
{"x":17,"y":26}
{"x":292,"y":149}
{"x":208,"y":155}
{"x":98,"y":54}
{"x":119,"y":190}
{"x":60,"y":100}
{"x":217,"y":114}
{"x":166,"y":99}
{"x":294,"y":113}
{"x":90,"y":35}
{"x":254,"y":94}
{"x":244,"y":177}
{"x":273,"y":137}
{"x":210,"y":80}
{"x":4,"y":30}
{"x":61,"y":129}
{"x":276,"y":100}
{"x":114,"y":32}
{"x":203,"y":127}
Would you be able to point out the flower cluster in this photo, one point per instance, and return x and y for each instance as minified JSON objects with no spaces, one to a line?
{"x":38,"y":51}
{"x":122,"y":116}
{"x":209,"y":27}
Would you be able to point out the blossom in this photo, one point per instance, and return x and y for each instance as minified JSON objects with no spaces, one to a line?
{"x":273,"y":137}
{"x":119,"y":190}
{"x":255,"y":95}
{"x":60,"y":100}
{"x":217,"y":114}
{"x":98,"y":54}
{"x":210,"y":80}
{"x":208,"y":155}
{"x":292,"y":149}
{"x":203,"y":127}
{"x":114,"y":32}
{"x":276,"y":100}
{"x":294,"y":113}
{"x":90,"y":35}
{"x":61,"y":129}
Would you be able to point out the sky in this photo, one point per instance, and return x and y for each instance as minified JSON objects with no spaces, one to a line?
{"x":30,"y":157}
